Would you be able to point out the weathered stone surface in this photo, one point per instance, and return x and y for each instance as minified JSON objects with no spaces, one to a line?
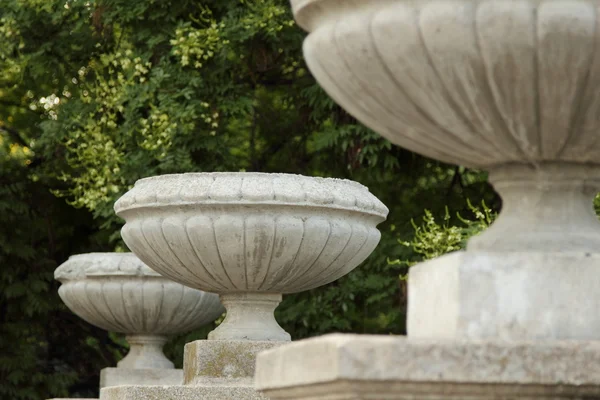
{"x":512,"y":296}
{"x":249,"y":317}
{"x":250,"y":237}
{"x":214,"y":370}
{"x":180,"y":393}
{"x":476,"y":83}
{"x":147,"y":376}
{"x":217,"y":362}
{"x":355,"y":367}
{"x":469,"y":82}
{"x":546,"y":208}
{"x":118,"y":292}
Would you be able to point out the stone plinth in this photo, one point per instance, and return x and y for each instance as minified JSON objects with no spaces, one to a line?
{"x":214,"y":369}
{"x":222,"y":362}
{"x":355,"y":367}
{"x":131,"y":376}
{"x":518,"y":296}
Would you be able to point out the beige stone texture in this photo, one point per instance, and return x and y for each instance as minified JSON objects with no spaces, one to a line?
{"x":357,"y":367}
{"x":219,"y":362}
{"x":180,"y":393}
{"x":147,"y":376}
{"x":214,"y":369}
{"x":508,"y":296}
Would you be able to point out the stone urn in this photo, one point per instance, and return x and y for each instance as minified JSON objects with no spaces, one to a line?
{"x":505,"y":86}
{"x":510,"y":87}
{"x":250,"y":237}
{"x":119,"y":293}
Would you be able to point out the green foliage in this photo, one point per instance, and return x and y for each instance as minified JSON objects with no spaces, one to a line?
{"x":96,"y":94}
{"x":37,"y":232}
{"x":433,"y":239}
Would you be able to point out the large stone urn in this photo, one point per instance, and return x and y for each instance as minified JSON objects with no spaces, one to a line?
{"x":250,"y":237}
{"x":119,"y":293}
{"x":511,"y":87}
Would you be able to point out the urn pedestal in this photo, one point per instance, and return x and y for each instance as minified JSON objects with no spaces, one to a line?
{"x":249,"y":237}
{"x":119,"y":293}
{"x":510,"y":87}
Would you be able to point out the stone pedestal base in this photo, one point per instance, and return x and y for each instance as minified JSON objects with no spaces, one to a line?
{"x":356,"y":367}
{"x":510,"y":296}
{"x":222,"y":362}
{"x":126,"y":376}
{"x":214,"y":370}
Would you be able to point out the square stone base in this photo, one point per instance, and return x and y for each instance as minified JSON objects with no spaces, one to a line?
{"x":127,"y":376}
{"x":222,"y":362}
{"x":510,"y":296}
{"x":214,"y":370}
{"x":361,"y":367}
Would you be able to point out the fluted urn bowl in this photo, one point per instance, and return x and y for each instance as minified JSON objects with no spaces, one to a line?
{"x":250,"y":237}
{"x":118,"y":292}
{"x":508,"y":86}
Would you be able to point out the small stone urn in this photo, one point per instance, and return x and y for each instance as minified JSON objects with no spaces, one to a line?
{"x":511,"y":87}
{"x":249,"y":237}
{"x":119,"y":293}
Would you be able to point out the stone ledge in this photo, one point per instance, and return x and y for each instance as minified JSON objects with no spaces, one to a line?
{"x":381,"y":367}
{"x":509,"y":296}
{"x":130,"y":376}
{"x":374,"y":390}
{"x":180,"y":393}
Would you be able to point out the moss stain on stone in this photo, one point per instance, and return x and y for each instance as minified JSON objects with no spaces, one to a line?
{"x":230,"y":362}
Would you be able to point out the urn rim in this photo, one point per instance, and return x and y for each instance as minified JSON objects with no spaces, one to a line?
{"x":232,"y":174}
{"x":96,"y":264}
{"x":204,"y":189}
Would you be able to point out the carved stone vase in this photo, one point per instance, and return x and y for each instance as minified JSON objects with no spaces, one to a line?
{"x":249,"y":237}
{"x":511,"y":87}
{"x":119,"y":293}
